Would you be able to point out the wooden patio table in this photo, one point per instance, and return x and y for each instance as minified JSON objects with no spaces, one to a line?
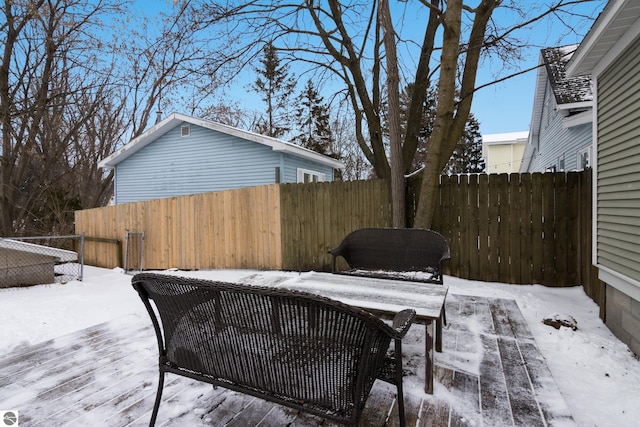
{"x":383,"y":296}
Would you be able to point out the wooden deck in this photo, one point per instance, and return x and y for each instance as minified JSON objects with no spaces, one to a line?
{"x":490,"y":373}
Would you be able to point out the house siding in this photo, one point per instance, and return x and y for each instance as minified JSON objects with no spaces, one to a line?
{"x":204,"y":161}
{"x":292,"y":164}
{"x":556,"y":141}
{"x":504,"y":158}
{"x":618,"y":167}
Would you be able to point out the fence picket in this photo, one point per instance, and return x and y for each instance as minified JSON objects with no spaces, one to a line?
{"x":548,"y":230}
{"x":525,"y":258}
{"x":537,"y":234}
{"x":483,"y":227}
{"x":560,"y":224}
{"x":494,"y":228}
{"x":516,"y":214}
{"x":473,"y":225}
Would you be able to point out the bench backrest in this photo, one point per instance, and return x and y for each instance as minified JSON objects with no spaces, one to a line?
{"x":284,"y":346}
{"x":394,"y":249}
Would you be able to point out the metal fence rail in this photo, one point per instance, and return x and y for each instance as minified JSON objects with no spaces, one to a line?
{"x":26,"y":261}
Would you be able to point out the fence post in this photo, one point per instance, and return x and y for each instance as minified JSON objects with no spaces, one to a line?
{"x":81,"y":257}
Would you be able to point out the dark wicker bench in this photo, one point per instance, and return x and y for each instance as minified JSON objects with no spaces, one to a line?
{"x":393,"y":253}
{"x":296,"y":349}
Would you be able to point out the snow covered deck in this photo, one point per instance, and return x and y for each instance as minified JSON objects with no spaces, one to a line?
{"x":489,"y":373}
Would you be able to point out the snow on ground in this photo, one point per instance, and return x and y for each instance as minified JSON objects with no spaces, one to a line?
{"x":596,"y":373}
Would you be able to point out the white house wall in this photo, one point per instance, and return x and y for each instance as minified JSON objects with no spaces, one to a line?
{"x":206,"y":160}
{"x":556,"y":141}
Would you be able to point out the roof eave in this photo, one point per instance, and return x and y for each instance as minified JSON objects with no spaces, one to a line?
{"x":575,"y":105}
{"x":174,"y":119}
{"x":542,"y":79}
{"x":309,"y":154}
{"x":595,"y":46}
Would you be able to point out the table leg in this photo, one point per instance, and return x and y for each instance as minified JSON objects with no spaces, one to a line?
{"x":428,"y":362}
{"x":439,"y":335}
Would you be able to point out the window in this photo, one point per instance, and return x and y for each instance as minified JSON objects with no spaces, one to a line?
{"x":306,"y":175}
{"x":185,"y":130}
{"x":584,"y":158}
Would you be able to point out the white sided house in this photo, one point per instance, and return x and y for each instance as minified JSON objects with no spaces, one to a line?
{"x":560,"y":132}
{"x":610,"y":53}
{"x":183,"y":155}
{"x":503,"y":151}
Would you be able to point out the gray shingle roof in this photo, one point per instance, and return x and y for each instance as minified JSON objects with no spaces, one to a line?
{"x":566,"y":90}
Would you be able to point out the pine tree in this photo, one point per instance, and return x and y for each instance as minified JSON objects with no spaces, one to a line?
{"x":276,"y":86}
{"x":312,"y":118}
{"x":467,"y":156}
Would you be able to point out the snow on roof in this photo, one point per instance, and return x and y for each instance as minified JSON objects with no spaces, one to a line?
{"x":60,"y":255}
{"x":567,"y":90}
{"x":505,"y":138}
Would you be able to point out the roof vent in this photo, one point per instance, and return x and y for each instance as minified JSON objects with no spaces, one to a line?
{"x":185,"y":130}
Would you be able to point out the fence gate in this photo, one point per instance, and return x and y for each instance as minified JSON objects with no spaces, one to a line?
{"x":134,"y":251}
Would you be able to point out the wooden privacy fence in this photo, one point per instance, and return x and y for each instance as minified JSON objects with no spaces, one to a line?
{"x":517,"y":228}
{"x":287,"y":226}
{"x":316,"y":217}
{"x":228,"y":229}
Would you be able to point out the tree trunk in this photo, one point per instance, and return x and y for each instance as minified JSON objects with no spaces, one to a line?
{"x":451,"y":117}
{"x":444,"y":114}
{"x":395,"y":132}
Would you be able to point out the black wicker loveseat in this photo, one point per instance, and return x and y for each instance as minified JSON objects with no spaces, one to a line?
{"x":384,"y":252}
{"x":395,"y":253}
{"x":296,"y":349}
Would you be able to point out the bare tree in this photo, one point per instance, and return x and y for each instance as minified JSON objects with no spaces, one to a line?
{"x":50,"y":80}
{"x":78,"y":79}
{"x":358,"y":44}
{"x":164,"y":61}
{"x":68,"y":96}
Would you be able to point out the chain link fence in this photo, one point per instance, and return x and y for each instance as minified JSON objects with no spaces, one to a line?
{"x":26,"y":261}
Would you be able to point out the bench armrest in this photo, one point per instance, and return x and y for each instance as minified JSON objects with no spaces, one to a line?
{"x":335,"y":253}
{"x":402,"y":321}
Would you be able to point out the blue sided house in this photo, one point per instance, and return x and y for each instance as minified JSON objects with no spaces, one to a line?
{"x":183,"y":155}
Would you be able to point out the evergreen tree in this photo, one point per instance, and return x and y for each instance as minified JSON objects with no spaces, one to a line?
{"x":467,"y":156}
{"x":312,"y":118}
{"x":276,"y":86}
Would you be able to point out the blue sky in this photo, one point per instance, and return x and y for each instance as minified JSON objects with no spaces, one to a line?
{"x":507,"y":106}
{"x":499,"y":108}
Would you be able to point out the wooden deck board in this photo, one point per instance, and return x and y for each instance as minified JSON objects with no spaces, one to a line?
{"x":524,"y":406}
{"x":490,"y":373}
